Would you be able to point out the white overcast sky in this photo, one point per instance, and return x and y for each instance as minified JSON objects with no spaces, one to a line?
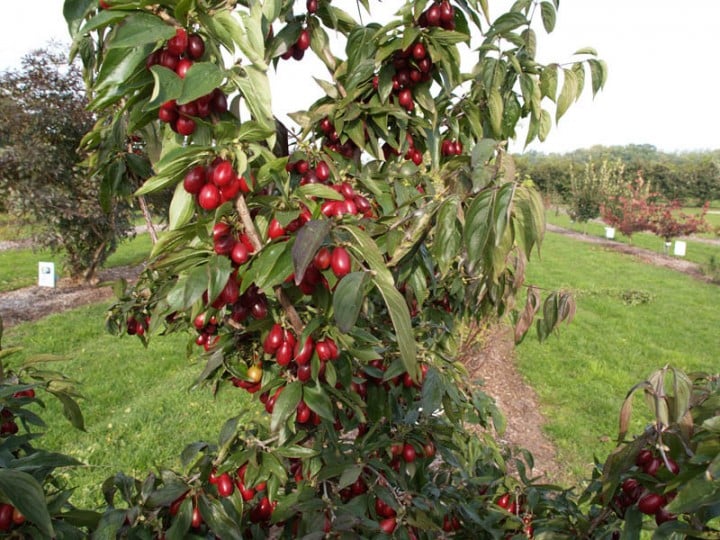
{"x":661,"y":54}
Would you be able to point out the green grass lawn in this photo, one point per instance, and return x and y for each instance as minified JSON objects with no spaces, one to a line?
{"x":583,"y":374}
{"x":19,"y":267}
{"x":138,"y":410}
{"x":697,"y":252}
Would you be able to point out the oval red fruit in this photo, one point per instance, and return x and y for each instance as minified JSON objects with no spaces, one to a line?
{"x":388,"y":525}
{"x":650,"y":503}
{"x":340,"y":262}
{"x":209,"y":197}
{"x":194,"y":179}
{"x":409,"y":453}
{"x":239,"y":253}
{"x":302,"y":356}
{"x":223,"y":173}
{"x":274,"y":339}
{"x":196,"y":46}
{"x":225,"y":485}
{"x":185,"y":126}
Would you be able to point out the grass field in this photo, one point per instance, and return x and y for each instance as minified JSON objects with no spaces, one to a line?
{"x":19,"y":267}
{"x":583,"y":374}
{"x":138,"y":410}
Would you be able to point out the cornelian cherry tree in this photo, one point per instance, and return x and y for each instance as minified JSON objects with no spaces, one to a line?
{"x":329,"y":268}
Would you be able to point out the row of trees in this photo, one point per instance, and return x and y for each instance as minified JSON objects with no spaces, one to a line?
{"x":693,"y":177}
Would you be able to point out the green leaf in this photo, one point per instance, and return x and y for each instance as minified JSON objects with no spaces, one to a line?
{"x":349,"y":476}
{"x":567,"y":94}
{"x":348,"y":298}
{"x":307,"y":242}
{"x":141,"y":28}
{"x":366,"y":248}
{"x":446,"y":243}
{"x":320,"y":190}
{"x":548,"y":13}
{"x":478,"y":226}
{"x":26,"y":494}
{"x":167,"y":86}
{"x":71,"y":410}
{"x":277,"y":265}
{"x":201,"y":79}
{"x":286,"y":405}
{"x":251,"y":131}
{"x":549,"y":81}
{"x":182,"y":208}
{"x":505,"y":23}
{"x":318,"y":401}
{"x":495,"y":108}
{"x":218,"y":272}
{"x":598,"y":74}
{"x":432,"y":392}
{"x":255,"y":88}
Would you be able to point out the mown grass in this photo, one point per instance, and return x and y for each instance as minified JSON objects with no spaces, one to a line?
{"x":19,"y":267}
{"x":697,"y":252}
{"x":583,"y":374}
{"x":11,"y":231}
{"x":139,"y":412}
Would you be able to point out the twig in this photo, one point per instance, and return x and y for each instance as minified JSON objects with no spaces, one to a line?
{"x":148,"y":219}
{"x":254,"y":237}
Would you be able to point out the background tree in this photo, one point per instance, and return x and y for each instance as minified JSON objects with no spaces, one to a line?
{"x":592,"y":187}
{"x":42,"y":177}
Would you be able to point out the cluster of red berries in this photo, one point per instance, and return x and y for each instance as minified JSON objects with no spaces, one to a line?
{"x":412,"y":66}
{"x":412,"y":153}
{"x":649,"y":499}
{"x":180,"y":117}
{"x":178,"y":55}
{"x":224,"y":486}
{"x":331,"y":140}
{"x":440,"y":14}
{"x":451,"y":147}
{"x":9,"y":517}
{"x":215,"y":184}
{"x":516,"y":505}
{"x":137,"y":325}
{"x":8,"y":426}
{"x":297,"y":49}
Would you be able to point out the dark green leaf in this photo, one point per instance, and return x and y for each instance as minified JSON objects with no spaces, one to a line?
{"x":25,"y":494}
{"x":141,"y":28}
{"x":348,"y":299}
{"x":316,"y":398}
{"x":307,"y":242}
{"x":201,"y":79}
{"x":286,"y":405}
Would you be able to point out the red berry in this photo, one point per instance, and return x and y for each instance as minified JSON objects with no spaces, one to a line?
{"x":209,"y":197}
{"x":304,"y":372}
{"x":6,"y":512}
{"x":409,"y":453}
{"x":652,"y":466}
{"x":197,"y":519}
{"x":312,"y":6}
{"x":433,"y":15}
{"x":405,"y":98}
{"x":340,"y":262}
{"x":225,"y":485}
{"x":284,"y":353}
{"x":322,"y":259}
{"x":302,"y":356}
{"x":504,"y":501}
{"x":274,"y":339}
{"x":239,"y":253}
{"x":17,"y":517}
{"x":194,"y":180}
{"x":218,"y":103}
{"x":643,"y":457}
{"x":223,"y":173}
{"x":388,"y":525}
{"x":178,"y":44}
{"x":650,"y":503}
{"x":275,"y":230}
{"x":303,"y":41}
{"x":322,"y":170}
{"x":185,"y":126}
{"x":182,"y":67}
{"x":418,"y":51}
{"x":196,"y":46}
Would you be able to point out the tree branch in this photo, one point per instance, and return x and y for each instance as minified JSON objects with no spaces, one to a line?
{"x":254,"y":237}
